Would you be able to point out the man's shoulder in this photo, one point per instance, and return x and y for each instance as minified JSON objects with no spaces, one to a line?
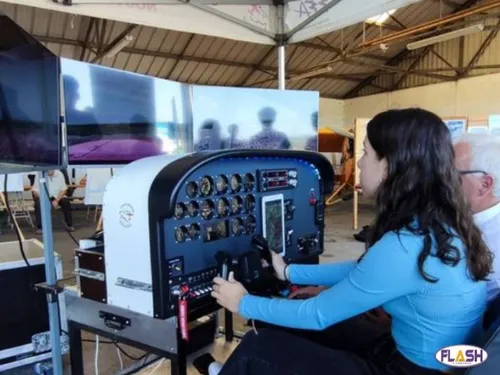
{"x":491,"y":230}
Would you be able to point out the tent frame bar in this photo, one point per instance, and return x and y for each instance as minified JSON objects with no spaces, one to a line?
{"x":214,"y":11}
{"x":312,"y":18}
{"x":280,"y":39}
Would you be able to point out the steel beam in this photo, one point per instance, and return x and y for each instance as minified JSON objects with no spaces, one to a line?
{"x":444,"y":60}
{"x":88,"y":34}
{"x":179,"y":59}
{"x":398,"y":58}
{"x":104,"y":50}
{"x":419,"y":57}
{"x":256,"y":68}
{"x":166,"y":55}
{"x":329,"y":48}
{"x":486,"y":43}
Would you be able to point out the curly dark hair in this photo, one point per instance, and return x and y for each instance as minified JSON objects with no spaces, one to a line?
{"x":422,"y":192}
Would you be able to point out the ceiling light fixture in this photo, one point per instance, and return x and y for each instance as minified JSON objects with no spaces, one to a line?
{"x":445,"y":37}
{"x":119,"y":46}
{"x":312,"y":73}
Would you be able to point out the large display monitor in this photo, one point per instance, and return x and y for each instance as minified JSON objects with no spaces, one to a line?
{"x":30,"y":127}
{"x":234,"y":118}
{"x":115,"y":117}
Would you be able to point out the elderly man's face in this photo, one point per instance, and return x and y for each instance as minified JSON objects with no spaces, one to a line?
{"x":477,"y":186}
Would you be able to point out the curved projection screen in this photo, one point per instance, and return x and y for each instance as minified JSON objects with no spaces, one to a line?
{"x":30,"y":128}
{"x":116,"y":117}
{"x":231,"y":117}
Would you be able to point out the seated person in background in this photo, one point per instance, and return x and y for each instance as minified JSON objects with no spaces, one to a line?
{"x":56,"y":187}
{"x":425,"y":264}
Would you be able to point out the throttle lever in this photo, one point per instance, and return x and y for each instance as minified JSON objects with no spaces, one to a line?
{"x":224,"y":263}
{"x":260,"y":243}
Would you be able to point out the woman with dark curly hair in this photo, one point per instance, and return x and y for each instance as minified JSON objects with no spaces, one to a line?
{"x":425,"y":265}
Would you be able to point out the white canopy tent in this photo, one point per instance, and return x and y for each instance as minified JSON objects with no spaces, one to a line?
{"x":278,"y":22}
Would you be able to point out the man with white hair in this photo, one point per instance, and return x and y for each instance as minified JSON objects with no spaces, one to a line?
{"x":478,"y":160}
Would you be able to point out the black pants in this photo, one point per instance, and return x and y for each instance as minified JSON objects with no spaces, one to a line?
{"x":65,"y":208}
{"x":348,"y":348}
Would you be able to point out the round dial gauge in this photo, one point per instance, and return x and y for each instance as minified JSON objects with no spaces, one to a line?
{"x":181,"y":234}
{"x":237,"y":226}
{"x":194,"y":231}
{"x":193,"y":208}
{"x":180,"y":210}
{"x":250,"y":224}
{"x":221,"y":184}
{"x":235,"y":183}
{"x":236,"y":204}
{"x":250,"y":203}
{"x":223,"y":207}
{"x":207,"y":209}
{"x":191,"y":189}
{"x":206,"y":186}
{"x":249,"y":182}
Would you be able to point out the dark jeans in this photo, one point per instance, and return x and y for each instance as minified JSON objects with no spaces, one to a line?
{"x":353,"y":347}
{"x":65,"y":208}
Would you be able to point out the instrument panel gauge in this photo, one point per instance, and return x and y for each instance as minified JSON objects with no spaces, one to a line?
{"x":236,"y":183}
{"x":192,"y":189}
{"x":250,"y":203}
{"x":193,"y":208}
{"x":221,"y":184}
{"x":249,"y":182}
{"x":250,"y":224}
{"x":237,"y":226}
{"x":207,"y":209}
{"x":223,"y":207}
{"x":181,"y":234}
{"x":236,"y":205}
{"x":180,"y":210}
{"x":194,"y":231}
{"x":206,"y":186}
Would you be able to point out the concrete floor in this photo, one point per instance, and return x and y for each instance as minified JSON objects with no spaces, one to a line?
{"x":339,"y":245}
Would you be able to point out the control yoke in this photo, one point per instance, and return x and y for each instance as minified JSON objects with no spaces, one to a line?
{"x":247,"y":268}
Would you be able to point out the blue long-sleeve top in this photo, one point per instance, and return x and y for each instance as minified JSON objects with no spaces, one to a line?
{"x":426,"y":316}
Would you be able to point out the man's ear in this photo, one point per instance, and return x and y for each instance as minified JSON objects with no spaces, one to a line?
{"x":487,"y":183}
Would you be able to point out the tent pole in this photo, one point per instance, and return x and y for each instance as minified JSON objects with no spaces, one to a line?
{"x":280,"y":41}
{"x":281,"y":67}
{"x":50,"y":274}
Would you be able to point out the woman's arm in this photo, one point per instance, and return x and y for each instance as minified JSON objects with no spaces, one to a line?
{"x":389,"y":270}
{"x":322,"y":274}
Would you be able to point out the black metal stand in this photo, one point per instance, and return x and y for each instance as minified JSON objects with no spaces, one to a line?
{"x":178,"y":362}
{"x":156,"y":337}
{"x":228,"y":325}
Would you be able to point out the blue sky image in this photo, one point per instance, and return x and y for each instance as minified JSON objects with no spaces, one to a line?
{"x":240,"y":106}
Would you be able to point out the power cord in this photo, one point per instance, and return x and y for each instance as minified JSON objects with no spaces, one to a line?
{"x":18,"y":234}
{"x":96,"y":359}
{"x":118,"y":347}
{"x":60,"y":220}
{"x":157,"y":367}
{"x":120,"y":358}
{"x":129,"y":356}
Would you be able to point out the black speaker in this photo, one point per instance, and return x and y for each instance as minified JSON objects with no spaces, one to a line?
{"x":24,"y":312}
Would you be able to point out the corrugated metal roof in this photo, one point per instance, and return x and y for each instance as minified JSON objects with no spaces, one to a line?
{"x":215,"y":61}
